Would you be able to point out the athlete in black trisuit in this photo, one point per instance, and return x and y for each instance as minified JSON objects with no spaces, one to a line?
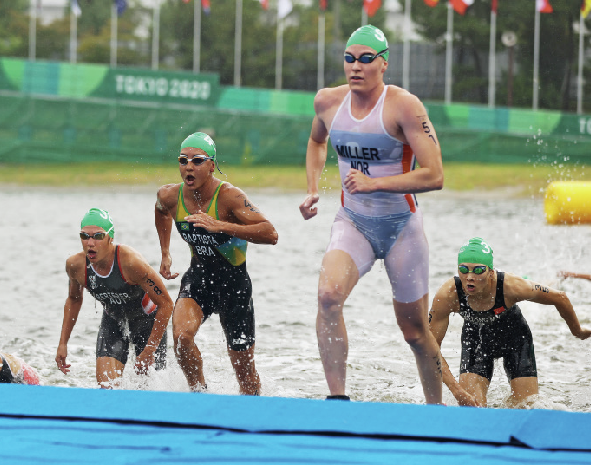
{"x":217,"y":220}
{"x":493,"y":325}
{"x":137,"y":307}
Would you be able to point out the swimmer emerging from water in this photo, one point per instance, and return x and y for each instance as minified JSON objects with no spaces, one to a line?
{"x":14,"y":370}
{"x":493,"y":325}
{"x":380,"y":133}
{"x":136,"y":304}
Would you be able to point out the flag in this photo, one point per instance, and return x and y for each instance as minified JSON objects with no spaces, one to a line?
{"x":371,"y":7}
{"x":585,"y":8}
{"x":284,"y":8}
{"x":461,"y":5}
{"x":75,"y":7}
{"x":493,"y":6}
{"x":543,"y":6}
{"x":121,"y":6}
{"x":206,"y":6}
{"x":431,"y":3}
{"x":324,"y":3}
{"x":264,"y":4}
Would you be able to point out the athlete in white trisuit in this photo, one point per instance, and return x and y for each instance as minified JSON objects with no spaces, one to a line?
{"x":15,"y":370}
{"x":379,"y":133}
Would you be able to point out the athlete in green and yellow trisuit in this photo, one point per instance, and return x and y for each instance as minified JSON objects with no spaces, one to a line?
{"x":217,"y":220}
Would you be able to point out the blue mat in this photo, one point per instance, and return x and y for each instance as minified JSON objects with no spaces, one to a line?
{"x":68,"y":425}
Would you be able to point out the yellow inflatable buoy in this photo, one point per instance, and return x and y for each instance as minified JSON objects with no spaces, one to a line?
{"x":568,"y":202}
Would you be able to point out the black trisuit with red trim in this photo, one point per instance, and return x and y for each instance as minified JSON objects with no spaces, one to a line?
{"x":500,"y":332}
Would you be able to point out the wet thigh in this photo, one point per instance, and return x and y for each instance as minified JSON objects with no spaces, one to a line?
{"x":407,"y":263}
{"x":476,"y":385}
{"x":344,"y":236}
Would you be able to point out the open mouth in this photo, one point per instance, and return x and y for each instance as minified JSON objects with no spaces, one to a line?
{"x":470,"y":287}
{"x":91,"y":254}
{"x":356,"y":78}
{"x":190,"y":179}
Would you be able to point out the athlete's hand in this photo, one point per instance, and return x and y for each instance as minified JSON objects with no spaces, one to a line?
{"x":165,"y":267}
{"x":60,"y":359}
{"x":465,"y":399}
{"x":308,"y":208}
{"x":203,"y":220}
{"x":144,"y":361}
{"x":358,"y":183}
{"x":583,"y":334}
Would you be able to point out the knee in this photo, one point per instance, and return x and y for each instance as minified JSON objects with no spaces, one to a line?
{"x":183,"y":337}
{"x":415,"y":336}
{"x":331,"y":298}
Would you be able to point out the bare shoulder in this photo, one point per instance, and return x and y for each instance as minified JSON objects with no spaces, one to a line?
{"x":404,"y":104}
{"x":128,"y":256}
{"x":75,"y":265}
{"x":167,"y":196}
{"x":230,"y":194}
{"x":329,"y":97}
{"x":446,"y":297}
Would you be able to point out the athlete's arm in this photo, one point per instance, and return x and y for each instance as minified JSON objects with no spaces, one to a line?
{"x":75,"y":271}
{"x":573,"y":274}
{"x":316,"y":154}
{"x":518,"y":289}
{"x":444,"y":303}
{"x":245,"y":221}
{"x":163,"y":218}
{"x":405,"y":117}
{"x":137,"y":271}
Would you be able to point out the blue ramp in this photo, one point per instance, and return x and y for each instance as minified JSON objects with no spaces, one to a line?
{"x":69,"y":425}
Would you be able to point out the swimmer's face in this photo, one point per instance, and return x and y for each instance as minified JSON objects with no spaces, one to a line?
{"x":194,"y":175}
{"x":364,"y":76}
{"x":472,"y":282}
{"x":95,"y":249}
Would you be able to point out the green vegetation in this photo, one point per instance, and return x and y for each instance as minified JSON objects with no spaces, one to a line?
{"x":518,"y":179}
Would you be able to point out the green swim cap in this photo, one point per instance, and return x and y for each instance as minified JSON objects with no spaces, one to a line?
{"x":372,"y":37}
{"x":200,"y":140}
{"x":476,"y":250}
{"x":100,"y":218}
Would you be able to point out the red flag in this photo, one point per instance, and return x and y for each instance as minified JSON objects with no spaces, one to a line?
{"x":493,"y":6}
{"x":461,"y":5}
{"x":543,"y":6}
{"x":186,"y":1}
{"x":323,"y":4}
{"x":431,"y":3}
{"x":264,"y":4}
{"x":205,"y":6}
{"x":371,"y":7}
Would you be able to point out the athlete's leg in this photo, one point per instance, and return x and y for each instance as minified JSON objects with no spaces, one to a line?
{"x":246,"y":373}
{"x":521,"y":389}
{"x":338,"y":276}
{"x":186,"y":320}
{"x":108,"y":370}
{"x":475,"y":385}
{"x":413,"y":321}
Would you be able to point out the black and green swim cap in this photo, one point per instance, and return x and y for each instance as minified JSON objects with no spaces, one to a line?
{"x":372,"y":37}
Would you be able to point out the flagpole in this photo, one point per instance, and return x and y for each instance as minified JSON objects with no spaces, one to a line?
{"x":492,"y":75}
{"x":321,"y":48}
{"x":113,"y":55}
{"x":196,"y":36}
{"x":406,"y":48}
{"x":73,"y":36}
{"x":33,"y":31}
{"x":536,"y":59}
{"x":582,"y":31}
{"x":156,"y":34}
{"x":363,"y":16}
{"x":279,"y":51}
{"x":238,"y":43}
{"x":449,"y":52}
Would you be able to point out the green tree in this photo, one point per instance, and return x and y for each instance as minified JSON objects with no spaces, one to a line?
{"x":471,"y":42}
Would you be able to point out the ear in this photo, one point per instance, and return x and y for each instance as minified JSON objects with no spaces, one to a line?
{"x":384,"y":67}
